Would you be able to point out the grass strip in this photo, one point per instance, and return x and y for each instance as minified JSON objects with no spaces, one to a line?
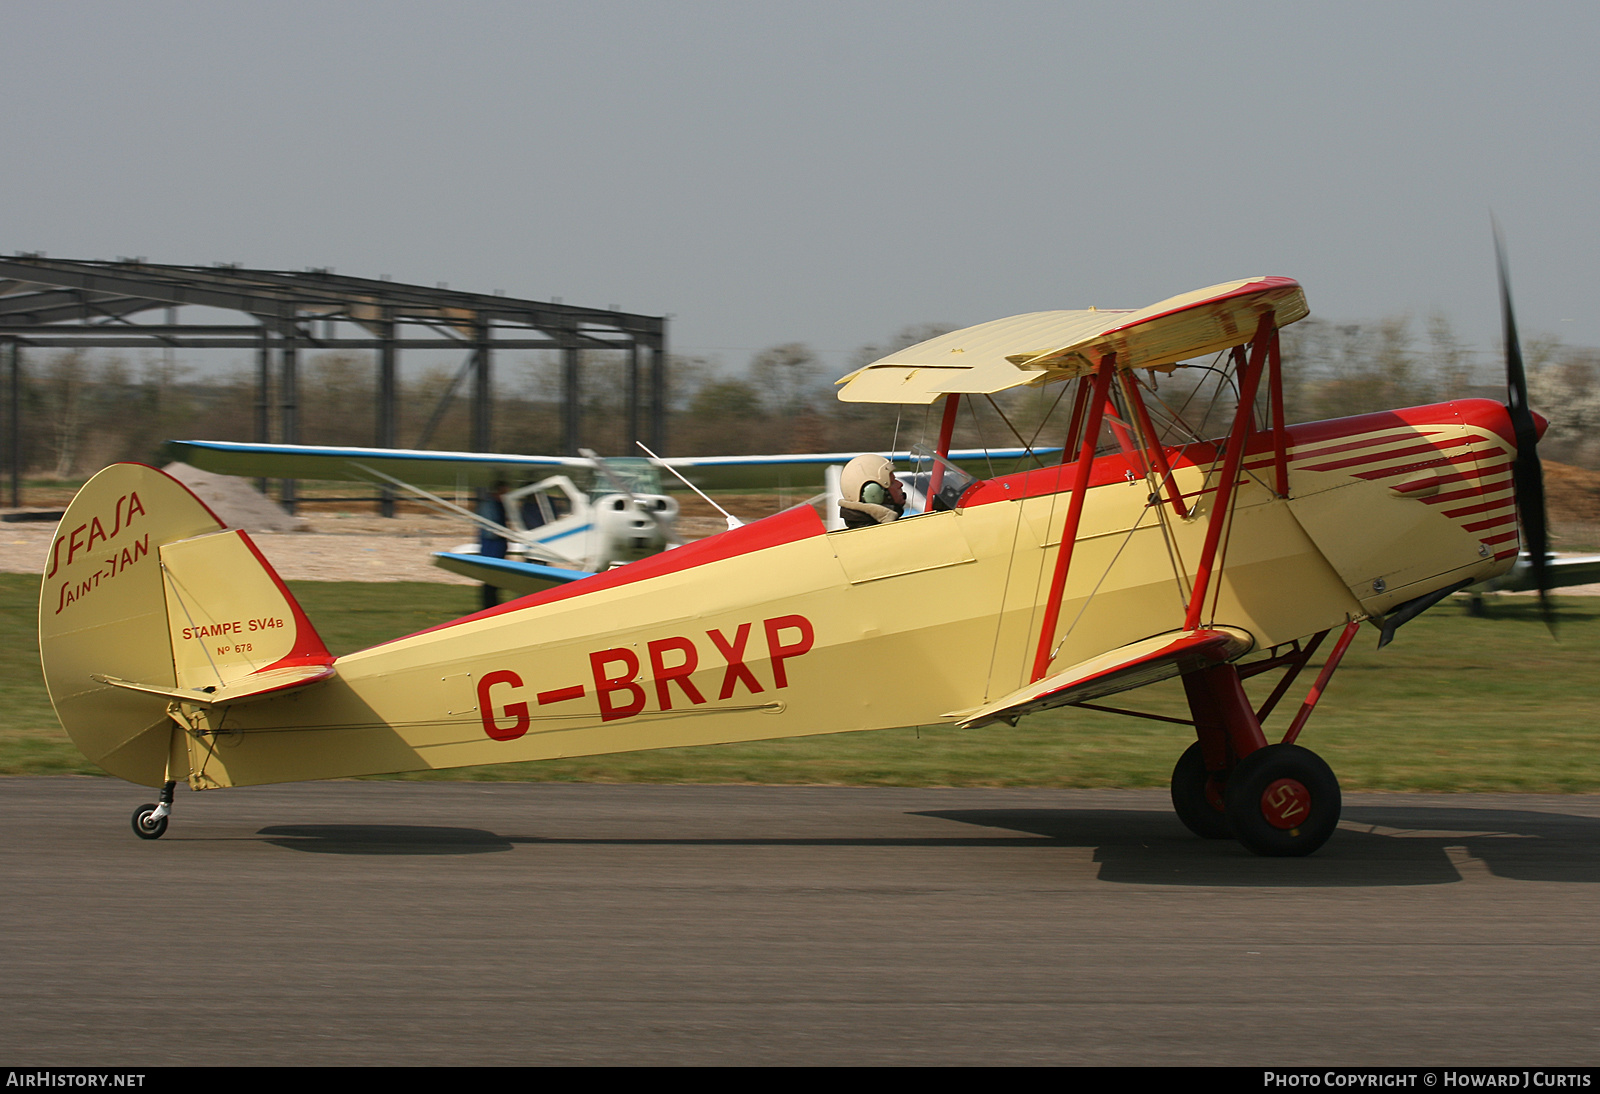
{"x":1454,"y":704}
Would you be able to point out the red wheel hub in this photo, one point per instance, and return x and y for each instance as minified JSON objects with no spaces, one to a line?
{"x":1286,"y":804}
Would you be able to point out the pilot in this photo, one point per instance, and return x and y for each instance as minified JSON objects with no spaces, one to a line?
{"x":871,"y":493}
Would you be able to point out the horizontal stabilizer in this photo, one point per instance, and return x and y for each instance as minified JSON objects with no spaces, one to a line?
{"x":260,"y":685}
{"x":1132,"y":666}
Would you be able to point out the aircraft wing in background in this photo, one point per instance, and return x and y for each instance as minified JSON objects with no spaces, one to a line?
{"x":521,"y":578}
{"x":481,"y":469}
{"x":616,"y":515}
{"x":303,"y":461}
{"x":1560,"y":573}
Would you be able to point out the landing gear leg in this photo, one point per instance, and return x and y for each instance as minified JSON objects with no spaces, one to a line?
{"x":150,"y":819}
{"x":1277,"y":800}
{"x":1226,"y":728}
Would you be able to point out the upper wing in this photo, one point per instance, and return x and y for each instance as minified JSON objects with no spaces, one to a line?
{"x":298,"y":461}
{"x":1132,"y":666}
{"x":1039,"y":347}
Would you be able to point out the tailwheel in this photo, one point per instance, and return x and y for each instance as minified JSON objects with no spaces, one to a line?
{"x":150,"y":819}
{"x":1197,"y":797}
{"x":1283,"y":800}
{"x":147,"y":823}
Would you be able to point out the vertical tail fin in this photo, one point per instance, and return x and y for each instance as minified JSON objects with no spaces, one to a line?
{"x":147,"y":597}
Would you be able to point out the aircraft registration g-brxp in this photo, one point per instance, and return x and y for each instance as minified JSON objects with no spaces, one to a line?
{"x":172,"y":650}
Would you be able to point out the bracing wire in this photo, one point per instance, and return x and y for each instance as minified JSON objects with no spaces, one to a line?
{"x":1028,"y":447}
{"x":983,"y":442}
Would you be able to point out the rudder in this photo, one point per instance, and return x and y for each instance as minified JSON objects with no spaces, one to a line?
{"x":146,"y":598}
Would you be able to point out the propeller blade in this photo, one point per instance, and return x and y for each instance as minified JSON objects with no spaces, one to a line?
{"x":1527,"y":474}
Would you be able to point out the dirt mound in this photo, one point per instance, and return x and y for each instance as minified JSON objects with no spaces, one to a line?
{"x":1572,"y":494}
{"x":234,"y":500}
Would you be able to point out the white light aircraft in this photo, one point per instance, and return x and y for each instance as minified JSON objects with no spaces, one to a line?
{"x":556,"y":529}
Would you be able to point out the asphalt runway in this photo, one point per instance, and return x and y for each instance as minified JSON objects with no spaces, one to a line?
{"x":474,"y":923}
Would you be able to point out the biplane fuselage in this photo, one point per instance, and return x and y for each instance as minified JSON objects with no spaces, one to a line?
{"x":778,"y":628}
{"x":172,"y":650}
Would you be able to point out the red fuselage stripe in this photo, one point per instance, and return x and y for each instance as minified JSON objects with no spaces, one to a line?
{"x":1328,"y":437}
{"x":789,"y":526}
{"x":1431,"y":449}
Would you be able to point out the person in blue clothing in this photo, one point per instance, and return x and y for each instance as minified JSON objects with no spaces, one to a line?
{"x":492,"y":544}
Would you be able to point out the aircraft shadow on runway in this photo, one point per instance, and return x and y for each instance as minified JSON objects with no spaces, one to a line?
{"x":384,"y":839}
{"x":408,"y":839}
{"x":1375,"y":846}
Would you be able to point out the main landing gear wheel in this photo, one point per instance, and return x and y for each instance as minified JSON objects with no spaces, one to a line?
{"x":1283,"y":800}
{"x":1200,"y":812}
{"x":146,"y":824}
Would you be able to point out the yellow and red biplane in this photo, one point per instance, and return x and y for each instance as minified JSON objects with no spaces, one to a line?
{"x":173,"y":651}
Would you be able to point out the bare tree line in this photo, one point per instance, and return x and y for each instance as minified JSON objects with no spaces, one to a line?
{"x":82,"y":410}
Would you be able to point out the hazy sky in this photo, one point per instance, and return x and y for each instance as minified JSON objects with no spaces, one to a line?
{"x":818,"y":171}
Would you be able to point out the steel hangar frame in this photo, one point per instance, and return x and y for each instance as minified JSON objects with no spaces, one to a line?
{"x":49,"y":302}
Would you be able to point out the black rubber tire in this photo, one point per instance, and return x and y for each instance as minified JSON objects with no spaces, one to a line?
{"x":1189,"y":800}
{"x":1250,"y":781}
{"x":146,"y":828}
